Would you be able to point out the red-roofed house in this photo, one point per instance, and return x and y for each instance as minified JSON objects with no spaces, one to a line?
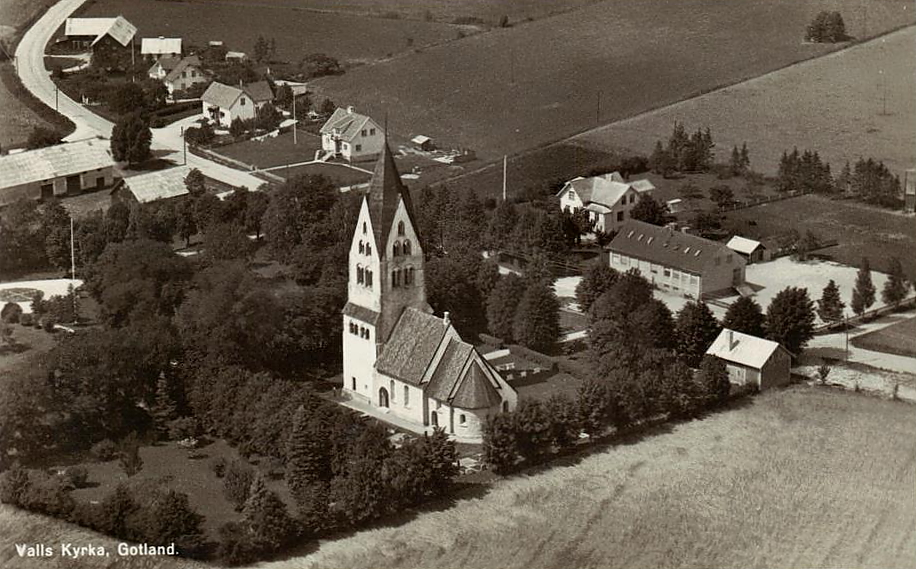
{"x":397,"y":356}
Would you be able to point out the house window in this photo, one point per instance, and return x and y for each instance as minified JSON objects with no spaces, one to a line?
{"x":406,"y":395}
{"x":667,"y":272}
{"x":462,"y":420}
{"x":184,"y":75}
{"x":407,"y":247}
{"x":371,"y":132}
{"x":400,"y":229}
{"x":242,"y":101}
{"x":632,"y":198}
{"x":346,"y":146}
{"x":396,"y":249}
{"x":359,"y":147}
{"x":363,"y":133}
{"x":353,"y":383}
{"x":620,"y":216}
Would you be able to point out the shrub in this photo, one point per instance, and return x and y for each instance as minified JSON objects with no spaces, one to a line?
{"x":183,"y":428}
{"x":27,"y":320}
{"x":46,"y":324}
{"x":236,"y":546}
{"x":104,"y":450}
{"x":218,"y":466}
{"x":14,"y":484}
{"x":11,"y":313}
{"x":237,"y":483}
{"x":78,"y":476}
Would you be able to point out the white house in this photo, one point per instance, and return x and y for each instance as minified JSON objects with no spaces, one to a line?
{"x":608,"y":198}
{"x":223,"y":104}
{"x":160,"y":47}
{"x":56,"y":171}
{"x":187,"y":73}
{"x":161,"y":68}
{"x":398,"y":356}
{"x":676,"y":262}
{"x":752,"y":361}
{"x":352,"y":136}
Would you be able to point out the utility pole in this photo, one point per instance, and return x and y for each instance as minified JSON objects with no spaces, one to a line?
{"x":505,"y":168}
{"x":295,"y":123}
{"x":72,"y":252}
{"x":846,"y":317}
{"x":56,"y":96}
{"x":598,"y":109}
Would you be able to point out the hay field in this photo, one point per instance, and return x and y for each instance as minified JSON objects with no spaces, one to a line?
{"x":899,"y":339}
{"x":513,"y":89}
{"x":799,"y":478}
{"x":834,"y":105}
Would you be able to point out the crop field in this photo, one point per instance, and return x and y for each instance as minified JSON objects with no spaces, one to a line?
{"x":858,"y":102}
{"x":803,"y":477}
{"x":517,"y":88}
{"x":899,"y":339}
{"x":862,"y":231}
{"x":298,"y":32}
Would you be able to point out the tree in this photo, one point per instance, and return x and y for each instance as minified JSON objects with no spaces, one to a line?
{"x":863,"y":293}
{"x":261,"y":49}
{"x":55,"y":224}
{"x":185,"y":224}
{"x":537,"y":318}
{"x":129,"y":455}
{"x":650,"y":210}
{"x":40,"y":137}
{"x":745,"y":316}
{"x":722,"y":196}
{"x":713,"y":376}
{"x":502,"y":304}
{"x":237,"y":483}
{"x":661,"y":160}
{"x":117,"y":220}
{"x":318,"y":65}
{"x":597,"y":280}
{"x":696,"y":329}
{"x":254,"y":212}
{"x":328,"y":107}
{"x":897,"y":286}
{"x":237,"y":127}
{"x":126,"y":99}
{"x":499,"y":443}
{"x":266,"y":516}
{"x":131,"y":138}
{"x":226,"y":241}
{"x":164,"y":409}
{"x":116,"y":512}
{"x":790,"y":319}
{"x":307,"y":459}
{"x":830,"y":306}
{"x":170,"y":518}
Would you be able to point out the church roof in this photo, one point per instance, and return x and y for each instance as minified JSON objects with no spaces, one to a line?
{"x":475,"y":390}
{"x":385,"y":192}
{"x":361,"y":313}
{"x":448,"y":372}
{"x":462,"y":385}
{"x":412,"y":345}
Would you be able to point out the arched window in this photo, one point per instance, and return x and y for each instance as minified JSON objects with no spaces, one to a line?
{"x":410,"y":275}
{"x":368,"y":335}
{"x":407,"y":247}
{"x":362,"y":247}
{"x":400,"y":229}
{"x":461,"y":419}
{"x":360,"y":275}
{"x":369,"y":249}
{"x":396,"y":249}
{"x":368,"y":278}
{"x":391,"y":385}
{"x":406,"y":395}
{"x":396,"y":278}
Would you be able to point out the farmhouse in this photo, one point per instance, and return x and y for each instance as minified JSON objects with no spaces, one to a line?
{"x":160,"y":47}
{"x":352,"y":136}
{"x":752,"y":361}
{"x":61,"y":170}
{"x":85,"y":33}
{"x":398,"y":356}
{"x":676,"y":262}
{"x":752,"y":251}
{"x":223,"y":104}
{"x":608,"y":198}
{"x":186,"y":74}
{"x":152,"y":186}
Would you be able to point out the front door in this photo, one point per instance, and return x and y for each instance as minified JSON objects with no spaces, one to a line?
{"x":73,"y":184}
{"x":383,"y":397}
{"x":47,"y":191}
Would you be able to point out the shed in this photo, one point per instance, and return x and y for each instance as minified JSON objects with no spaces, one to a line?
{"x":752,"y":251}
{"x":751,"y":360}
{"x":145,"y":188}
{"x":423,"y":142}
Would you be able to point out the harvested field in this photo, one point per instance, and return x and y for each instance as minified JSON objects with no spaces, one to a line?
{"x":840,"y":110}
{"x":749,"y":487}
{"x":861,"y":230}
{"x":899,"y":339}
{"x":518,"y":88}
{"x":298,"y":32}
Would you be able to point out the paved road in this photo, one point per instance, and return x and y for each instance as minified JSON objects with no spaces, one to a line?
{"x":36,"y":78}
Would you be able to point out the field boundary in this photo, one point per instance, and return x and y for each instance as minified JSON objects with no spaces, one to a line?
{"x":834,"y":327}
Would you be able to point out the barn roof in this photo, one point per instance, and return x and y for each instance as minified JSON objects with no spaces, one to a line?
{"x":160,"y":46}
{"x":667,"y":247}
{"x":54,"y":161}
{"x":118,"y":28}
{"x":160,"y":185}
{"x":259,"y":91}
{"x":743,"y":349}
{"x":743,"y":245}
{"x":409,"y":350}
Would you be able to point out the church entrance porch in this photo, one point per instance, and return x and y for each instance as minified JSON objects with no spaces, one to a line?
{"x":383,"y":397}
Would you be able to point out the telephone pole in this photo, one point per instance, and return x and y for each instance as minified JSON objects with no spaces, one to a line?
{"x":295,"y":123}
{"x":505,"y":168}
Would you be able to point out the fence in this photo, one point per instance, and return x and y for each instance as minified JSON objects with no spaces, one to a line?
{"x":233,"y":163}
{"x":764,"y":200}
{"x":832,"y":327}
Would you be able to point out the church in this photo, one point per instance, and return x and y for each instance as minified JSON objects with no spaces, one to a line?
{"x":397,"y":355}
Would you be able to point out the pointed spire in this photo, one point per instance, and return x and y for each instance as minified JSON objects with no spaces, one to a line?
{"x":385,"y":192}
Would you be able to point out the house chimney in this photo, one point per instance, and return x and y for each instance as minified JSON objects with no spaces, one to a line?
{"x":732,"y":344}
{"x":446,"y":320}
{"x":350,"y":109}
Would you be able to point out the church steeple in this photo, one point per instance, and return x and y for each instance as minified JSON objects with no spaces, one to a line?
{"x":385,"y":194}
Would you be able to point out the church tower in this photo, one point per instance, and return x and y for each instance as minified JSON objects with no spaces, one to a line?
{"x":386,"y":274}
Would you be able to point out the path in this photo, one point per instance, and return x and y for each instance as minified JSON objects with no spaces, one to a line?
{"x":880,"y":360}
{"x":36,"y":78}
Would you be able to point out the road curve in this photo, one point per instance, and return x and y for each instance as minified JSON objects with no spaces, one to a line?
{"x":36,"y":78}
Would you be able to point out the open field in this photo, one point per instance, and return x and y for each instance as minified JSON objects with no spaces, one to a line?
{"x":338,"y":173}
{"x":804,"y":477}
{"x":276,"y":151}
{"x":298,"y":32}
{"x":839,"y":111}
{"x":518,"y":88}
{"x":861,"y":230}
{"x":898,"y":339}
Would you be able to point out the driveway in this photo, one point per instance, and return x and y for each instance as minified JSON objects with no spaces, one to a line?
{"x":36,"y":78}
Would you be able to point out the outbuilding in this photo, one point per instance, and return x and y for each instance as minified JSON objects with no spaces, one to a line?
{"x":752,"y":361}
{"x":153,"y":186}
{"x":752,"y":251}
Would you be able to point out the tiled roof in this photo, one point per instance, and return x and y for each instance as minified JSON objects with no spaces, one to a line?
{"x":160,"y":46}
{"x":259,"y":91}
{"x":668,"y":247}
{"x":605,"y":189}
{"x":167,"y":63}
{"x":460,"y":383}
{"x":385,"y":193}
{"x":163,"y":184}
{"x":448,"y":372}
{"x":54,"y":161}
{"x":184,"y":64}
{"x":743,"y":349}
{"x":361,"y":313}
{"x":347,"y":122}
{"x":220,"y":95}
{"x":118,"y":28}
{"x":743,"y":245}
{"x":409,"y":350}
{"x":121,"y":30}
{"x":475,"y":390}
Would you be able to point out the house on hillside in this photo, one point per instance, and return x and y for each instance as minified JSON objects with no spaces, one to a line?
{"x":94,"y":33}
{"x":223,"y":104}
{"x":607,"y":198}
{"x":186,"y":74}
{"x":161,"y":68}
{"x":56,"y":171}
{"x":155,"y":48}
{"x":398,"y":358}
{"x":352,"y":136}
{"x":752,"y":251}
{"x":752,"y":361}
{"x":163,"y":185}
{"x":675,"y":261}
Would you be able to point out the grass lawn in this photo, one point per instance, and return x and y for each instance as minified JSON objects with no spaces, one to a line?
{"x":899,"y":339}
{"x":572,"y":321}
{"x":861,"y":230}
{"x":338,"y":173}
{"x":298,"y":31}
{"x":839,"y":111}
{"x":29,"y":342}
{"x":804,"y":477}
{"x":518,"y":88}
{"x":277,"y":151}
